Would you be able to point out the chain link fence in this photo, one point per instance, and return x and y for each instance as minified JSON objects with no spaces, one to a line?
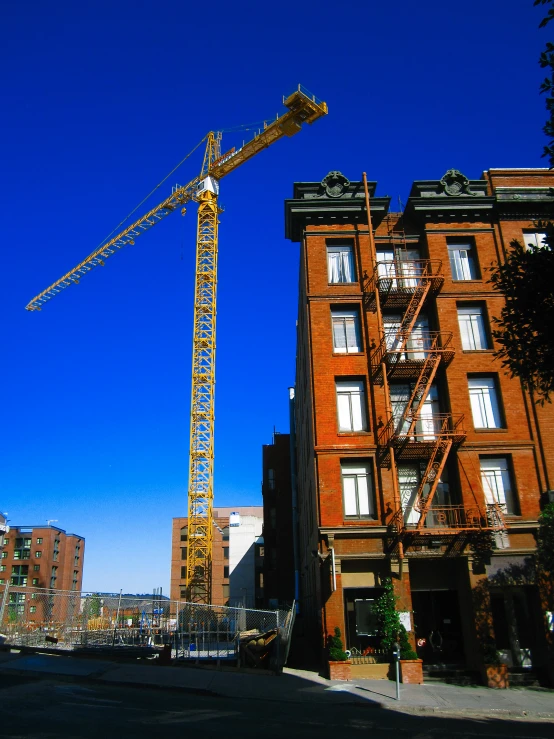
{"x":87,"y":622}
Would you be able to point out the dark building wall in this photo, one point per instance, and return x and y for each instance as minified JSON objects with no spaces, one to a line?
{"x":278,"y":522}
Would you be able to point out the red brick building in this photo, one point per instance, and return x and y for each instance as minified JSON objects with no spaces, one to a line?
{"x":41,"y":557}
{"x":418,"y":457}
{"x":237,"y":557}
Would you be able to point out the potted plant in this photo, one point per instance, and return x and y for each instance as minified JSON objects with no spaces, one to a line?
{"x":339,"y":664}
{"x":494,"y":672}
{"x":392,"y":632}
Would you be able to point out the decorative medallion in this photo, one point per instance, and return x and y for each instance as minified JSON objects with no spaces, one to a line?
{"x":335,"y":183}
{"x":455,"y":183}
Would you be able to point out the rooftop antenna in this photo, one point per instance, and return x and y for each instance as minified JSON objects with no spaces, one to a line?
{"x":51,"y":521}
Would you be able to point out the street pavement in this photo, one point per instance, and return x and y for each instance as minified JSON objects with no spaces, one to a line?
{"x":293,"y":692}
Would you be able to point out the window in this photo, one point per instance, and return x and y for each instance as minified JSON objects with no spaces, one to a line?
{"x":357,"y":490}
{"x":346,"y":331}
{"x":273,"y":518}
{"x":36,"y":568}
{"x":183,"y":552}
{"x":19,"y":575}
{"x":484,"y":403}
{"x":226,"y":553}
{"x":418,"y":341}
{"x":2,"y":568}
{"x":225,"y":590}
{"x":471,"y":319}
{"x":226,"y":571}
{"x":271,"y":479}
{"x":184,"y":533}
{"x":351,"y":405}
{"x":462,"y":262}
{"x":4,"y":555}
{"x":534,"y":240}
{"x":2,"y":581}
{"x":39,"y":540}
{"x":32,"y":609}
{"x":261,"y":551}
{"x":35,"y":580}
{"x":38,"y":554}
{"x":183,"y":573}
{"x":340,"y":263}
{"x":26,"y":543}
{"x":497,"y":483}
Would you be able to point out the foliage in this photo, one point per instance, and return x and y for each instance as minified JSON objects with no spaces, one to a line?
{"x":389,"y":627}
{"x":336,"y":647}
{"x":95,"y":605}
{"x":490,"y":653}
{"x":526,"y":322}
{"x":546,"y":61}
{"x":545,"y":544}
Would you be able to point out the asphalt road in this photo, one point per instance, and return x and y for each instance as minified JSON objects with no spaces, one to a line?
{"x":51,"y":709}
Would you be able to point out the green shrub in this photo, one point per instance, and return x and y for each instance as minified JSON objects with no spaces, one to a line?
{"x":389,"y":628}
{"x":336,"y":647}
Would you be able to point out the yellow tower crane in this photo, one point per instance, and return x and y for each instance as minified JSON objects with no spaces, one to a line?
{"x":204,"y":189}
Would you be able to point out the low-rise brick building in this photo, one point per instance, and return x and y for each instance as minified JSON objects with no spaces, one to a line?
{"x":237,"y":557}
{"x":419,"y":459}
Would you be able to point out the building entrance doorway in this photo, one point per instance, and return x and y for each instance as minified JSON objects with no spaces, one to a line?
{"x":437,"y":624}
{"x":360,"y":620}
{"x":514,"y":624}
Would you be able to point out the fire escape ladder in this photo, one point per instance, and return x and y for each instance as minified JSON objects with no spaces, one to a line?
{"x":433,"y":472}
{"x":422,"y":385}
{"x":409,"y":318}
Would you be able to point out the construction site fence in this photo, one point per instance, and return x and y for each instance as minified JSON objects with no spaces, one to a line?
{"x":92,"y":621}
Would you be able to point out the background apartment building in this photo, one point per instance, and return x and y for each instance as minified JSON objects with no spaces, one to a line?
{"x":40,"y":557}
{"x":237,"y":557}
{"x":418,"y":458}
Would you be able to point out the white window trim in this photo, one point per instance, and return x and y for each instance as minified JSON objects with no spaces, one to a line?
{"x":357,"y":490}
{"x":340,"y":264}
{"x":496,"y":478}
{"x":346,"y":322}
{"x":534,"y":239}
{"x":462,"y":262}
{"x":483,"y":398}
{"x":351,"y":412}
{"x":472,"y":325}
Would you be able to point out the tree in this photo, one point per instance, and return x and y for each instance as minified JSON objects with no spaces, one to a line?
{"x":389,"y":627}
{"x":546,"y":60}
{"x":525,"y":326}
{"x":526,"y":322}
{"x":545,"y":544}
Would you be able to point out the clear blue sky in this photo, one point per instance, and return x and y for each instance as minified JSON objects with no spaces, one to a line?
{"x":100,"y":99}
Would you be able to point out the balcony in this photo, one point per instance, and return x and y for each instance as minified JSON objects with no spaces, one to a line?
{"x":417,"y":438}
{"x":447,"y":520}
{"x":408,"y":363}
{"x":397,"y":281}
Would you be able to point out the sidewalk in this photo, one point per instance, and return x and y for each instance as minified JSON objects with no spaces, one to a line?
{"x":296,"y":686}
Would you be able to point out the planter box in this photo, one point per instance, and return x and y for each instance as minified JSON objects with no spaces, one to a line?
{"x":495,"y":676}
{"x":411,"y":671}
{"x":340,"y":670}
{"x":371,"y":672}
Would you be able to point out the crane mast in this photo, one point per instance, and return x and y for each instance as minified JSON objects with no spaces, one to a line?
{"x":204,"y":189}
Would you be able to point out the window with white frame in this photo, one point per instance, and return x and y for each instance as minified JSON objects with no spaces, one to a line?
{"x":471,"y":319}
{"x":496,"y":478}
{"x":346,"y":331}
{"x":357,"y":488}
{"x":340,"y":263}
{"x":534,"y":239}
{"x":351,"y":405}
{"x":483,"y":396}
{"x":462,"y":262}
